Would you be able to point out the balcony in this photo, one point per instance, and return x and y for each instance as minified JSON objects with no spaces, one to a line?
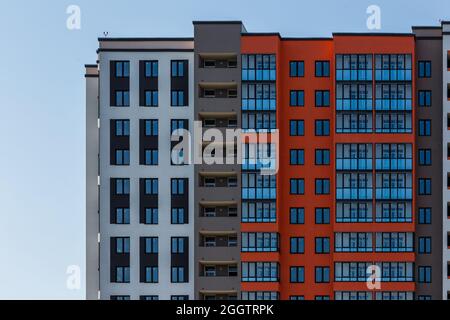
{"x":218,"y":180}
{"x":354,"y":193}
{"x":218,"y":210}
{"x":218,"y":119}
{"x":219,"y":90}
{"x":218,"y":239}
{"x":218,"y":253}
{"x":354,"y":164}
{"x":218,"y":60}
{"x":221,"y":269}
{"x":393,"y":164}
{"x":394,"y":193}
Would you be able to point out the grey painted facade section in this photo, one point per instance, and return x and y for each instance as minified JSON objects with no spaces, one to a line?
{"x":217,"y":41}
{"x":429,"y":48}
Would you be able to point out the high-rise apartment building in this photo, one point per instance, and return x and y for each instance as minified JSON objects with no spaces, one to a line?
{"x":359,"y":122}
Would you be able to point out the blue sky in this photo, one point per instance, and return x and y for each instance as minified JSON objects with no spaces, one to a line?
{"x":42,"y":108}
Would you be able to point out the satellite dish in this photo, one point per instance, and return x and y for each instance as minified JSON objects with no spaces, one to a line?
{"x":105,"y":33}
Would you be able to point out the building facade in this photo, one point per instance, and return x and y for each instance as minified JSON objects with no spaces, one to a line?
{"x":355,"y":123}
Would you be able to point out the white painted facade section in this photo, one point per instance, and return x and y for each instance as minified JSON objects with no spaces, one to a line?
{"x":164,"y":172}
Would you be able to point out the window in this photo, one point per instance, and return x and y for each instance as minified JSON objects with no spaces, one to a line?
{"x":152,"y":297}
{"x":151,"y":245}
{"x":151,"y":98}
{"x":354,"y":67}
{"x":297,"y":275}
{"x":260,"y":272}
{"x":424,"y":274}
{"x":424,"y":98}
{"x":322,"y":274}
{"x":322,"y":186}
{"x":178,"y":67}
{"x":424,"y":186}
{"x":424,"y":69}
{"x":151,"y":215}
{"x":178,"y":216}
{"x":259,"y":242}
{"x":151,"y":69}
{"x":424,"y":127}
{"x":297,"y":245}
{"x":151,"y":157}
{"x":122,"y":186}
{"x":322,"y":245}
{"x":297,"y":157}
{"x":263,"y":212}
{"x":177,"y":98}
{"x":151,"y":128}
{"x":258,"y":120}
{"x":258,"y":186}
{"x":424,"y":245}
{"x":351,"y":271}
{"x":258,"y":67}
{"x":322,"y":98}
{"x":260,"y":295}
{"x":322,"y":68}
{"x":297,"y":215}
{"x":322,"y":215}
{"x":178,"y":275}
{"x":297,"y":128}
{"x":296,"y":68}
{"x":122,"y":245}
{"x":178,"y":186}
{"x":393,"y":212}
{"x":390,"y":122}
{"x":297,"y":186}
{"x":176,"y":124}
{"x":353,"y":242}
{"x":393,"y":67}
{"x":122,"y":98}
{"x":319,"y":298}
{"x":296,"y":297}
{"x":322,"y":127}
{"x":425,"y":157}
{"x":179,"y":297}
{"x":122,"y":275}
{"x":122,"y":128}
{"x":353,"y":212}
{"x":354,"y":122}
{"x":178,"y":244}
{"x":424,"y":215}
{"x":151,"y":274}
{"x":258,"y":96}
{"x":297,"y":98}
{"x":122,"y":157}
{"x":322,"y":157}
{"x":151,"y":186}
{"x":394,"y":242}
{"x":122,"y":216}
{"x":122,"y":69}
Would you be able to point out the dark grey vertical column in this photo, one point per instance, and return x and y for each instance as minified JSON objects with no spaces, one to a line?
{"x":429,"y":48}
{"x":217,"y":85}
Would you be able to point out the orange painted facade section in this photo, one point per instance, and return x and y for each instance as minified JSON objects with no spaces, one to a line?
{"x":310,"y":51}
